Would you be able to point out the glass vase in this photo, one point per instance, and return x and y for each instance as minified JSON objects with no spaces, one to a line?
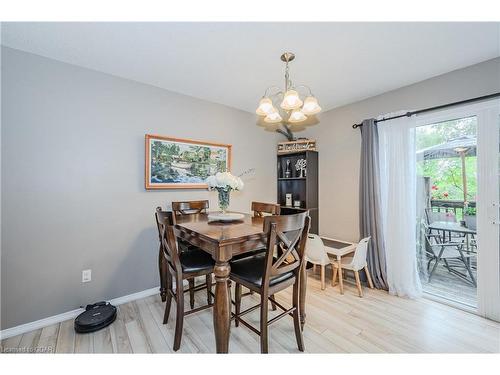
{"x":224,"y":196}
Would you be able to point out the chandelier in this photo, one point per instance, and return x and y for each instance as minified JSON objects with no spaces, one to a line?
{"x":287,"y":107}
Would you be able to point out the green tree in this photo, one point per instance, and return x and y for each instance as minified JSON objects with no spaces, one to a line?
{"x":446,"y":173}
{"x":441,"y":132}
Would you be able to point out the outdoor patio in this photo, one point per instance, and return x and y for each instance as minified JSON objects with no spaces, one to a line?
{"x":447,"y":286}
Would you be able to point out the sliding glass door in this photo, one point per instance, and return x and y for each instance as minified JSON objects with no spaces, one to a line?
{"x":446,"y":214}
{"x":458,"y":239}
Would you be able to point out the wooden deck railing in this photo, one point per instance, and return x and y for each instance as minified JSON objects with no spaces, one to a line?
{"x":448,"y":205}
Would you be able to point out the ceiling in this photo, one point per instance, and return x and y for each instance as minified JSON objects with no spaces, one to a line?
{"x":233,"y":63}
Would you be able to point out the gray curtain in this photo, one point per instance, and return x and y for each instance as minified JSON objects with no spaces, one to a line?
{"x":370,"y":223}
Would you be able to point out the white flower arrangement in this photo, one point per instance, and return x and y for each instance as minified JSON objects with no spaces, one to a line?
{"x":225,"y":181}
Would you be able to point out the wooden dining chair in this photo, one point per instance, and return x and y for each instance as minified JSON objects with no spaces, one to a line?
{"x":162,"y":264}
{"x":183,"y":246}
{"x":182,"y":266}
{"x":180,"y":208}
{"x":260,"y":209}
{"x":267,"y":274}
{"x":190,"y":207}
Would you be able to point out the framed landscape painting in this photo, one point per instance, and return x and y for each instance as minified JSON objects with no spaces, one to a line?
{"x":173,"y":163}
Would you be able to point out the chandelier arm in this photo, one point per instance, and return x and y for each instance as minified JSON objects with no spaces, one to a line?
{"x":277,"y":94}
{"x":270,"y":88}
{"x":307,"y":87}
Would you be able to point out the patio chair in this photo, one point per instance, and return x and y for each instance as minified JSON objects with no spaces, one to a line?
{"x":433,"y":216}
{"x":452,"y":255}
{"x":472,"y":224}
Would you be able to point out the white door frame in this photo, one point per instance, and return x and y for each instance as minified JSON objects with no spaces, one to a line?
{"x":488,"y":238}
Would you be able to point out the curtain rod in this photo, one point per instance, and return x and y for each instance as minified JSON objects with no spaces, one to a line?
{"x":408,"y":114}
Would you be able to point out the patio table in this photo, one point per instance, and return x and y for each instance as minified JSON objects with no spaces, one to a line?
{"x":449,"y":226}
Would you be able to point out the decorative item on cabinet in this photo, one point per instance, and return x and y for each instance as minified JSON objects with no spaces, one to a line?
{"x":288,"y":172}
{"x":296,"y":146}
{"x":288,"y":200}
{"x":300,"y":166}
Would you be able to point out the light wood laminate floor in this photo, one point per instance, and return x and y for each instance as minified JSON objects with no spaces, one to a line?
{"x":377,"y":323}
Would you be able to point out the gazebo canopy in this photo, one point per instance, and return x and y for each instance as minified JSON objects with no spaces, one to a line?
{"x":449,"y":149}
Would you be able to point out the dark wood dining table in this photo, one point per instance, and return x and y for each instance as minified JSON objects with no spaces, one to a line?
{"x":224,"y":241}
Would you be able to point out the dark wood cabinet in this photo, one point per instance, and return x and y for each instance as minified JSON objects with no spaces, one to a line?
{"x":302,"y":186}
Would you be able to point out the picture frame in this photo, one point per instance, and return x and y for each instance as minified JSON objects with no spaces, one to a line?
{"x":177,"y":163}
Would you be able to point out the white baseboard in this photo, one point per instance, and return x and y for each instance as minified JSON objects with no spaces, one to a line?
{"x":37,"y":324}
{"x":134,"y":296}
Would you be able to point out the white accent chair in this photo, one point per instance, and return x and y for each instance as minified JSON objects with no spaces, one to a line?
{"x":355,"y":264}
{"x":316,"y":254}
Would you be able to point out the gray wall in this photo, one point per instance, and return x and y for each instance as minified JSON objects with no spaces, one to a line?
{"x":340,"y":145}
{"x":73,"y":180}
{"x":73,"y":169}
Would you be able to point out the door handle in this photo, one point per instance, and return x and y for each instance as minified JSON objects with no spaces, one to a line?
{"x":496,"y":214}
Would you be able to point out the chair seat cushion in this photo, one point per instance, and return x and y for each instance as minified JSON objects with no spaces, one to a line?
{"x":251,"y":270}
{"x":196,"y":260}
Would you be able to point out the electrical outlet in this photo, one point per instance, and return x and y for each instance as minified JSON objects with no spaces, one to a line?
{"x":86,"y":276}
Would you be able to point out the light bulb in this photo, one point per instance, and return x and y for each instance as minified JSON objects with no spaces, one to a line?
{"x":265,"y":107}
{"x":311,"y":106}
{"x":291,"y":100}
{"x":273,"y":117}
{"x":297,"y":116}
